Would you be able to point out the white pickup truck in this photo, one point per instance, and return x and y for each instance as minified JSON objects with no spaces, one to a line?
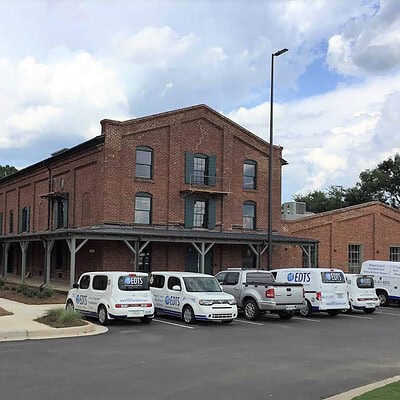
{"x":256,"y":293}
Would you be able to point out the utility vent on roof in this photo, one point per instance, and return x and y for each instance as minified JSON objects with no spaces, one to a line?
{"x":294,"y":210}
{"x":56,"y":153}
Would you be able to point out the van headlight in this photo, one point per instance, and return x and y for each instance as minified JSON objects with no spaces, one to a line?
{"x":206,"y":302}
{"x":232,"y":302}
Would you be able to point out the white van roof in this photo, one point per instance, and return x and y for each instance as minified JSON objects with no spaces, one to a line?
{"x":181,"y":274}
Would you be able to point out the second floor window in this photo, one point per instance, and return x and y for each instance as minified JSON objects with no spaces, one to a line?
{"x":200,"y":169}
{"x":144,"y":162}
{"x":249,"y":215}
{"x":25,"y":219}
{"x":61,"y":213}
{"x":249,"y":174}
{"x":143,"y":208}
{"x":200,"y":214}
{"x":11,"y":222}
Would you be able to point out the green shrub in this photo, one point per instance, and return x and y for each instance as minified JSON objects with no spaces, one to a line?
{"x":1,"y":283}
{"x":62,"y":316}
{"x":45,"y":292}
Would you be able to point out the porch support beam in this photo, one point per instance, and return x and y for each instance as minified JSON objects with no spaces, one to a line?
{"x":202,"y":250}
{"x":5,"y":264}
{"x":48,"y":246}
{"x":24,"y":247}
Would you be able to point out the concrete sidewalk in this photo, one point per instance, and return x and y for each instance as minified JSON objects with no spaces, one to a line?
{"x":21,"y":325}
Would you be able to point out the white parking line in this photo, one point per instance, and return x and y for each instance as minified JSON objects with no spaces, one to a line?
{"x":306,"y":319}
{"x":386,"y":313}
{"x":171,"y":323}
{"x":355,"y":316}
{"x":249,"y":322}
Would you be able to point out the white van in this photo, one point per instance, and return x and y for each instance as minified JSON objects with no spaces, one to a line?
{"x":386,"y":279}
{"x":324,"y":288}
{"x":191,"y":296}
{"x":361,"y":292}
{"x":112,"y":295}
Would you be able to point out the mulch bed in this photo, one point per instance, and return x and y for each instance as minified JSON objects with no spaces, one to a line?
{"x":50,"y":321}
{"x":4,"y":312}
{"x":57,"y":298}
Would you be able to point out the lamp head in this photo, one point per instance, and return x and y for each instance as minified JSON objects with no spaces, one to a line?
{"x":280,"y":52}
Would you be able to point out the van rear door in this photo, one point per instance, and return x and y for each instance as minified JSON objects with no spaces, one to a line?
{"x":334,"y":293}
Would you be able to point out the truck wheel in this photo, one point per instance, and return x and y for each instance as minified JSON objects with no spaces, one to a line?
{"x":306,"y":312}
{"x":286,"y":314}
{"x":333,"y":313}
{"x":369,"y":310}
{"x":251,"y":310}
{"x":383,"y":298}
{"x":102,"y":315}
{"x":188,"y":315}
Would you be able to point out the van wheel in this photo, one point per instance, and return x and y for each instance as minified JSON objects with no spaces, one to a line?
{"x":333,"y":313}
{"x":306,"y":312}
{"x":145,"y":320}
{"x":286,"y":315}
{"x":369,"y":310}
{"x":250,"y":310}
{"x":188,"y":315}
{"x":102,"y":315}
{"x":383,"y":298}
{"x":69,"y":306}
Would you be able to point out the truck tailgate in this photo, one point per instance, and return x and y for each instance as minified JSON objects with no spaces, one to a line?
{"x":288,"y":293}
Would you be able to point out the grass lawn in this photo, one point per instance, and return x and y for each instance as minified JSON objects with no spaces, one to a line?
{"x":388,"y":392}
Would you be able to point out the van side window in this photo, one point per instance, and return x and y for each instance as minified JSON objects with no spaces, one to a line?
{"x":172,"y":281}
{"x":157,"y":281}
{"x":232,"y":278}
{"x":84,"y":282}
{"x":100,"y":282}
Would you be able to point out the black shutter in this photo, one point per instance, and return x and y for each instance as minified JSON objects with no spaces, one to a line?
{"x":1,"y":223}
{"x":55,"y":214}
{"x":65,"y":214}
{"x":212,"y":170}
{"x":212,"y":213}
{"x":28,"y":219}
{"x":189,"y":166}
{"x":189,"y":205}
{"x":21,"y":214}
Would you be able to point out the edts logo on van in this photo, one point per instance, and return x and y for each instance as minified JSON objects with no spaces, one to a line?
{"x":299,"y":277}
{"x":172,"y":301}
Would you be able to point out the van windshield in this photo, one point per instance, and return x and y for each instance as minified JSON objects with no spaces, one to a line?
{"x":332,"y":277}
{"x":365,"y":282}
{"x":202,"y":284}
{"x":133,"y":282}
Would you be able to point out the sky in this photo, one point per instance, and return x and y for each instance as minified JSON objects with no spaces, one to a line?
{"x":67,"y":64}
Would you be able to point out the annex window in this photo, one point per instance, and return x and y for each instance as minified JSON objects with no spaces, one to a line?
{"x":61,"y":213}
{"x":144,"y":162}
{"x":249,"y":215}
{"x":84,"y":282}
{"x":11,"y":222}
{"x":200,"y":169}
{"x":100,"y":282}
{"x":394,"y":253}
{"x":249,"y":174}
{"x":25,"y":219}
{"x":355,"y":258}
{"x":143,"y":205}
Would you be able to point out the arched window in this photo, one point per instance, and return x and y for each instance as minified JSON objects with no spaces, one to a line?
{"x":144,"y":162}
{"x":250,"y":174}
{"x":200,"y":169}
{"x":143,"y":208}
{"x":249,"y":215}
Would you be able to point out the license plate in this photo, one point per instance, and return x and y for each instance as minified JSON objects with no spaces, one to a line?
{"x":135,"y":313}
{"x":290,"y":307}
{"x":371,"y":305}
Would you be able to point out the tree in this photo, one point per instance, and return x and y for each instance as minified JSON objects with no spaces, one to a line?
{"x":320,"y":201}
{"x":7,"y":170}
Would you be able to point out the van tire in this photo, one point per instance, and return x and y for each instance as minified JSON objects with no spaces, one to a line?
{"x":145,"y":320}
{"x":69,"y":305}
{"x":188,"y":315}
{"x":102,"y":315}
{"x":286,"y":314}
{"x":307,"y":312}
{"x":383,"y":298}
{"x":333,"y":313}
{"x":369,"y":310}
{"x":251,"y":310}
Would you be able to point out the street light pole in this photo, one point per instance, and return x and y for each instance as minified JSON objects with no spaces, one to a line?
{"x":271,"y":154}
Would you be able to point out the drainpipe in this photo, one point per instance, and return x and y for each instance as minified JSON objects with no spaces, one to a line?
{"x":49,"y":203}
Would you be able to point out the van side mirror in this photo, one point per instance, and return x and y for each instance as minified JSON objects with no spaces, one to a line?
{"x":75,"y":286}
{"x":176,"y":288}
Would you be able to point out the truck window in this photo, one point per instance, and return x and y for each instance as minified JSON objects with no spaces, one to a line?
{"x":232,"y":278}
{"x":260,"y":278}
{"x":365,"y":282}
{"x":332,"y":277}
{"x":201,"y":284}
{"x":133,"y":282}
{"x":157,"y":281}
{"x":220,"y":277}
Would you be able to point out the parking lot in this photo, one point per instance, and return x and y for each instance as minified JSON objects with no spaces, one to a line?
{"x":310,"y":358}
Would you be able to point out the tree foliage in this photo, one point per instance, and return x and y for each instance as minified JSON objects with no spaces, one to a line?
{"x":381,"y":184}
{"x":6,"y":170}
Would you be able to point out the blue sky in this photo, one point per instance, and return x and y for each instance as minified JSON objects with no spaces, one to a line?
{"x":67,"y":64}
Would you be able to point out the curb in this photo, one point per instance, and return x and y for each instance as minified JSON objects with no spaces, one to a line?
{"x":363,"y":389}
{"x":53,"y":333}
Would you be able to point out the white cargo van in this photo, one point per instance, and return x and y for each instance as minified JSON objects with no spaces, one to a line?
{"x":361,"y":293}
{"x":324,"y":288}
{"x":112,"y":295}
{"x":386,"y":279}
{"x":191,"y":296}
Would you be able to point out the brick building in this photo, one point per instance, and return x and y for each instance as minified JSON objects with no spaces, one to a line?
{"x":348,"y":236}
{"x":185,"y":189}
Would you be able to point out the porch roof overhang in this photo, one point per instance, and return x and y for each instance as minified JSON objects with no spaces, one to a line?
{"x":125,"y":232}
